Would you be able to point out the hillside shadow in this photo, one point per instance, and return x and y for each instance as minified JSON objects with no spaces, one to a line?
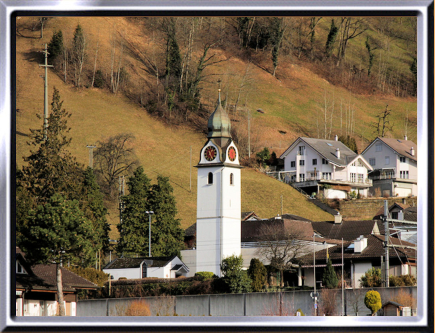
{"x":34,"y":56}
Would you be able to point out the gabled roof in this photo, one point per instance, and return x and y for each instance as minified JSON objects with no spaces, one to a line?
{"x":348,"y":230}
{"x":401,"y":147}
{"x":121,"y":263}
{"x":327,"y":149}
{"x":374,"y":250}
{"x":399,"y":205}
{"x":43,"y":277}
{"x":299,"y":227}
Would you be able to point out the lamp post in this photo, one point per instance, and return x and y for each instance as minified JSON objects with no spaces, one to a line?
{"x":150,"y":212}
{"x":314,"y":266}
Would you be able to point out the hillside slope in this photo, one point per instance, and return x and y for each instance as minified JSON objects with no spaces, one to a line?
{"x":162,"y":149}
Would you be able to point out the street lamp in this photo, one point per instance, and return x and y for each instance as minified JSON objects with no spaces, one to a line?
{"x":149,"y":231}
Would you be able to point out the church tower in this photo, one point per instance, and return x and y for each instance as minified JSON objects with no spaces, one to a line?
{"x":218,"y":221}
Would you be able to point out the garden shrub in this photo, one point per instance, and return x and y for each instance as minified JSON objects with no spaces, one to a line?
{"x":372,"y":301}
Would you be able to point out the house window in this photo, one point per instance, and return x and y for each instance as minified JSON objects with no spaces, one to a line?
{"x":144,"y":270}
{"x":314,"y":161}
{"x":395,"y":215}
{"x":302,"y":162}
{"x":353,"y":177}
{"x":326,"y":175}
{"x":372,"y":161}
{"x":402,"y":159}
{"x":360,"y":178}
{"x":301,"y":150}
{"x":387,"y":160}
{"x":231,"y":179}
{"x":301,"y":177}
{"x":210,"y":178}
{"x":20,"y":269}
{"x":404,"y":174}
{"x":379,"y":147}
{"x":324,"y":161}
{"x":292,"y":164}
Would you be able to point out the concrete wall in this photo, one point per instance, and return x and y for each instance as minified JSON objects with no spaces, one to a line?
{"x":252,"y":304}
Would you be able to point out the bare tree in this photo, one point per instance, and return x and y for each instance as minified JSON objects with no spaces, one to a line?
{"x":350,"y":28}
{"x":95,"y":62}
{"x":383,"y":123}
{"x":78,"y":54}
{"x":114,"y":157}
{"x":281,"y":246}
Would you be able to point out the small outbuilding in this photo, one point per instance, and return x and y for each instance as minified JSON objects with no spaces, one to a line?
{"x":142,"y":267}
{"x":395,"y":309}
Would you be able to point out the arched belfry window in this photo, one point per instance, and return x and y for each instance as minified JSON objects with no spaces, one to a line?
{"x":231,"y":179}
{"x":210,"y":178}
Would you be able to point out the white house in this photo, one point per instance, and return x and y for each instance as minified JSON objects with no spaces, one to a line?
{"x":138,"y":268}
{"x":394,"y":164}
{"x":310,"y":164}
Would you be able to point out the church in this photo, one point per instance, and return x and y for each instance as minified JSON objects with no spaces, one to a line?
{"x":218,"y":221}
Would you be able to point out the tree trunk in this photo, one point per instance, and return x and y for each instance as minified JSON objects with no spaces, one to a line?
{"x":61,"y":304}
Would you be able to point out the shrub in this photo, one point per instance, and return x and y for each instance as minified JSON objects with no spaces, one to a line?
{"x":91,"y":274}
{"x":404,"y":298}
{"x":395,"y":281}
{"x":300,"y":311}
{"x":235,"y":278}
{"x":138,"y":308}
{"x":205,"y":275}
{"x":99,"y":79}
{"x":372,"y":278}
{"x":258,"y":274}
{"x":372,"y":301}
{"x":330,"y":279}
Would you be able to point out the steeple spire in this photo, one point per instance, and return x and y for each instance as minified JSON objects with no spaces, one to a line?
{"x":219,"y":124}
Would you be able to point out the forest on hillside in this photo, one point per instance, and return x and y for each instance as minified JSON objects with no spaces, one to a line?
{"x":170,"y":65}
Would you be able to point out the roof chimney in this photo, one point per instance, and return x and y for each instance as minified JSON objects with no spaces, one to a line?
{"x":336,"y":137}
{"x":405,"y":137}
{"x":412,"y":151}
{"x":360,"y":244}
{"x":337,"y":152}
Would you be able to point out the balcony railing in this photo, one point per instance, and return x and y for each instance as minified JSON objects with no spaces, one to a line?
{"x":290,"y":177}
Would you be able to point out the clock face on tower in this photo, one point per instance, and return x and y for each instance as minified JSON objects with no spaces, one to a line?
{"x":232,"y":154}
{"x":210,"y":153}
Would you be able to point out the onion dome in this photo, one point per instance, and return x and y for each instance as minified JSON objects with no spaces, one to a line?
{"x":219,"y":124}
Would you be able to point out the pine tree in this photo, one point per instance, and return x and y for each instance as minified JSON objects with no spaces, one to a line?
{"x":258,"y":274}
{"x":332,"y":35}
{"x":58,"y":232}
{"x":78,"y":55}
{"x":166,"y":233}
{"x":51,"y":168}
{"x":330,"y":279}
{"x":93,"y":206}
{"x":55,"y":47}
{"x":134,"y":227}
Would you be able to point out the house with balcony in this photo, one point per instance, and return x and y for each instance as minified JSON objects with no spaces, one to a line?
{"x":394,"y":164}
{"x":326,"y":166}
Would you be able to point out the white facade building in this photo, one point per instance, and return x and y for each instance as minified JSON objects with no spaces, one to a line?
{"x":312,"y":164}
{"x":394,"y":164}
{"x":219,"y":196}
{"x":151,"y":267}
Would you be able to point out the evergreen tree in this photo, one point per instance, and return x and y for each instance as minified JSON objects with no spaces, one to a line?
{"x":51,"y":168}
{"x":258,"y":274}
{"x":330,"y":279}
{"x":166,"y":233}
{"x":78,"y":55}
{"x":134,"y":227}
{"x":277,"y":33}
{"x":57,"y":232}
{"x":94,"y":209}
{"x":234,"y":276}
{"x":372,"y":300}
{"x":173,"y":56}
{"x":55,"y":47}
{"x":349,"y":142}
{"x":332,"y":35}
{"x":372,"y":278}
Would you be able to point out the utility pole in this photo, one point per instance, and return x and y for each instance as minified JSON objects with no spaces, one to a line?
{"x":314,"y":266}
{"x":91,"y":155}
{"x":387,"y":248}
{"x":190,"y":169}
{"x":46,"y":65}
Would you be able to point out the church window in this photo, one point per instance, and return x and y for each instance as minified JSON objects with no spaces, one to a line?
{"x":210,"y":178}
{"x":231,"y":179}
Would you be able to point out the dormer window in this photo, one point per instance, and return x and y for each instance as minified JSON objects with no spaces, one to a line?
{"x":20,"y":269}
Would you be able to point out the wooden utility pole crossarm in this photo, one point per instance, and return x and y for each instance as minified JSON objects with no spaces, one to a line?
{"x":46,"y":65}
